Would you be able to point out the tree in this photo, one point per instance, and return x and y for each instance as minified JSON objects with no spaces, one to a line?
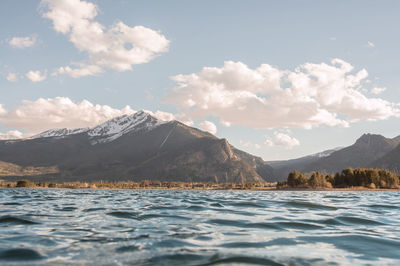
{"x":317,"y":180}
{"x":297,"y":179}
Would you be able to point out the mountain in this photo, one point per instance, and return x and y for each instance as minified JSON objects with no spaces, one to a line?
{"x":390,"y":161}
{"x":368,"y":151}
{"x":283,"y":168}
{"x":362,"y":153}
{"x":133,"y":147}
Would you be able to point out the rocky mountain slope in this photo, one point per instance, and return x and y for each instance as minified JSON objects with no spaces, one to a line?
{"x":134,"y":147}
{"x":369,"y":150}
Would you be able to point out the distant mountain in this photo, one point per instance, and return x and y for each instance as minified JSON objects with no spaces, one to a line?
{"x":362,"y":153}
{"x":390,"y":161}
{"x":132,"y":147}
{"x":369,"y":150}
{"x":284,"y":167}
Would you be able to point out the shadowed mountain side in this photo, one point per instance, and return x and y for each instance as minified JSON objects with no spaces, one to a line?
{"x":389,"y":161}
{"x":167,"y":152}
{"x":362,"y":153}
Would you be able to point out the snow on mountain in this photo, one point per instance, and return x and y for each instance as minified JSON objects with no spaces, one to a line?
{"x":59,"y":132}
{"x":118,"y":126}
{"x":326,"y":153}
{"x":109,"y":130}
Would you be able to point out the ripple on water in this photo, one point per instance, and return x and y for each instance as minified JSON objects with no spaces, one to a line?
{"x":367,"y":247}
{"x":357,"y":221}
{"x":198,"y":227}
{"x":243,"y":260}
{"x":124,"y":215}
{"x":20,"y":254}
{"x":15,"y":220}
{"x":309,"y":205}
{"x":12,"y":204}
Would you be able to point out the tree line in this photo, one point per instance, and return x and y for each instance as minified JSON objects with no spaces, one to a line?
{"x":360,"y":177}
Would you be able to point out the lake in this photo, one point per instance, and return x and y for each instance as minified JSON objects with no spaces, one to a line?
{"x":178,"y":227}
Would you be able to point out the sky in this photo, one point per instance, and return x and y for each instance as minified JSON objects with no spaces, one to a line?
{"x":278,"y":79}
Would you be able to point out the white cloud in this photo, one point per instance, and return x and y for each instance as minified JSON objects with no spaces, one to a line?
{"x":208,"y":126}
{"x":23,"y":42}
{"x":332,"y":38}
{"x":249,"y":144}
{"x":226,"y":124}
{"x":2,"y":110}
{"x":266,"y":97}
{"x":12,"y":134}
{"x":282,"y":139}
{"x":36,"y":76}
{"x":43,"y":114}
{"x":117,"y":47}
{"x":12,"y":77}
{"x":377,"y":91}
{"x":61,"y":112}
{"x":84,"y":70}
{"x":164,"y":116}
{"x":370,"y":44}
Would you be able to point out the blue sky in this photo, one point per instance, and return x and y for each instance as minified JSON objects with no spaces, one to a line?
{"x":282,"y":34}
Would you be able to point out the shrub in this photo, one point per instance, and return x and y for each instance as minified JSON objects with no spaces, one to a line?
{"x":24,"y":183}
{"x":52,"y":185}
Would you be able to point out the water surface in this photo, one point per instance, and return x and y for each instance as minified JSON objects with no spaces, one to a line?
{"x":156,"y":227}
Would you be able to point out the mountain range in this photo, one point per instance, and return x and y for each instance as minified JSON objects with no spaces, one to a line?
{"x":369,"y":151}
{"x":130,"y":147}
{"x":140,"y":147}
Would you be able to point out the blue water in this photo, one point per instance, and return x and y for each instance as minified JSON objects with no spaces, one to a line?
{"x":150,"y":227}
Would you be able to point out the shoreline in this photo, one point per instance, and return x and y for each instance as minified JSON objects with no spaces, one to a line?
{"x":216,"y":189}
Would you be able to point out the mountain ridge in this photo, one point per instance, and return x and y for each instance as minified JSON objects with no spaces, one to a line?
{"x":137,"y":147}
{"x":369,"y":150}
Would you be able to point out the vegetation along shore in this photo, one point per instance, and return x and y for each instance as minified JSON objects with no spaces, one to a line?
{"x":347,"y":179}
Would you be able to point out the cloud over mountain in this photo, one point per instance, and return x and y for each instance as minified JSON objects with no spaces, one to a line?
{"x":312,"y":95}
{"x":208,"y":126}
{"x":282,"y":139}
{"x":12,"y":134}
{"x":117,"y":47}
{"x":58,"y":112}
{"x":61,"y":112}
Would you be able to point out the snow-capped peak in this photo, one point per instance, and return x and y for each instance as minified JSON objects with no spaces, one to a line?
{"x":59,"y":132}
{"x":109,"y":130}
{"x":121,"y":125}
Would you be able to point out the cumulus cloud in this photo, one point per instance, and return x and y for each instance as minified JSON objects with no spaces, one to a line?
{"x":23,"y":42}
{"x":117,"y":47}
{"x":226,"y":124}
{"x":12,"y":77}
{"x":43,"y":114}
{"x":164,"y":116}
{"x":249,"y":144}
{"x":282,"y":139}
{"x":12,"y":134}
{"x":2,"y":110}
{"x":208,"y":126}
{"x":377,"y":91}
{"x":312,"y":95}
{"x":36,"y":76}
{"x":82,"y":71}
